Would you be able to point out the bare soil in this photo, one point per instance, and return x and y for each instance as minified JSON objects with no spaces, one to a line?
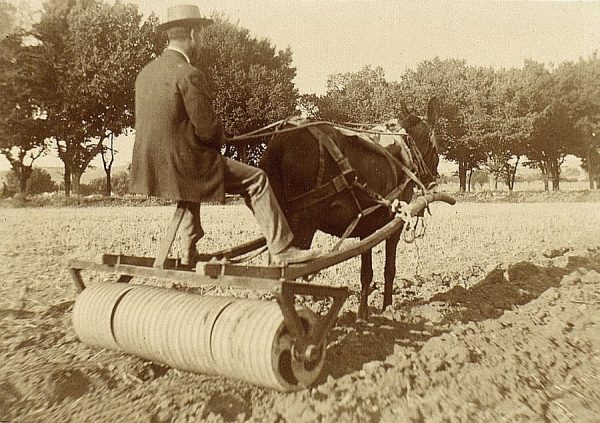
{"x":495,"y":318}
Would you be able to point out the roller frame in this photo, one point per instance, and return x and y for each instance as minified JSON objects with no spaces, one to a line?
{"x":306,"y":345}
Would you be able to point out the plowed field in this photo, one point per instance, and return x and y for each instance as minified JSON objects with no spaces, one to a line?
{"x":496,"y":317}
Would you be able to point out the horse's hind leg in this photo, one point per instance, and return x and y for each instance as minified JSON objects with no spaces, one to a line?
{"x":366,"y":277}
{"x":389,"y":273}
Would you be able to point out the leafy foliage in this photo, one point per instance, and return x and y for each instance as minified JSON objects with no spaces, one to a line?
{"x":94,"y":51}
{"x":252,"y":83}
{"x":23,"y":129}
{"x":459,"y":89}
{"x":73,"y":84}
{"x":364,"y":96}
{"x":119,"y":184}
{"x":505,"y":125}
{"x":39,"y":182}
{"x":488,"y":118}
{"x":579,"y":94}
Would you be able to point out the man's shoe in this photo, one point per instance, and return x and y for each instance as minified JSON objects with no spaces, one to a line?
{"x":188,"y":261}
{"x":292,"y":255}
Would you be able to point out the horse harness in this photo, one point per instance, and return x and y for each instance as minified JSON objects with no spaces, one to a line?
{"x":347,"y":180}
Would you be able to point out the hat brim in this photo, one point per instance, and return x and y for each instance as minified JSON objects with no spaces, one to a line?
{"x":187,"y":21}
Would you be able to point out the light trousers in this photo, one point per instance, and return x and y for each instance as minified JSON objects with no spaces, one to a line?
{"x":253,"y":185}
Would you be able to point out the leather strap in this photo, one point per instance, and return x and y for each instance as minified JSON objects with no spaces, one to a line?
{"x":347,"y":180}
{"x":318,"y":194}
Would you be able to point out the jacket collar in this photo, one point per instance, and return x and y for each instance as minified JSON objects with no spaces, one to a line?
{"x":187,"y":59}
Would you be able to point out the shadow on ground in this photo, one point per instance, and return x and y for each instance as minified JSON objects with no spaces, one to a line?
{"x":411,"y":324}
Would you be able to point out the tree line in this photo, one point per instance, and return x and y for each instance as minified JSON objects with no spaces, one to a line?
{"x":489,"y":119}
{"x":67,"y":83}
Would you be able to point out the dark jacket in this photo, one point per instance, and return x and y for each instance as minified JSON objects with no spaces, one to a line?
{"x":178,"y":136}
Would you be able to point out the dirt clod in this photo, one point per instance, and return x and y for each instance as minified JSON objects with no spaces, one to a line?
{"x":62,"y":384}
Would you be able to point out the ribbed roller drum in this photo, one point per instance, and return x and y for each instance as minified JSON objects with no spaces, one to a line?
{"x":169,"y":326}
{"x":251,"y":342}
{"x":93,"y":314}
{"x":241,"y":339}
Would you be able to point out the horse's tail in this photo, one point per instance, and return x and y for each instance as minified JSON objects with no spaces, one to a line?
{"x":271,"y":162}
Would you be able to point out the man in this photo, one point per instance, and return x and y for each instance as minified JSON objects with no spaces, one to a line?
{"x":176,"y":154}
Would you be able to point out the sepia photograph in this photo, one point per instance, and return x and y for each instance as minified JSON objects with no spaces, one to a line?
{"x":299,"y":211}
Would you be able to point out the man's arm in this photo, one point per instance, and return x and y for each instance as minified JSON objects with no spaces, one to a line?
{"x":207,"y":126}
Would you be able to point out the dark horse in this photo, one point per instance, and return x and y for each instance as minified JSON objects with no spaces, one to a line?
{"x":296,"y":162}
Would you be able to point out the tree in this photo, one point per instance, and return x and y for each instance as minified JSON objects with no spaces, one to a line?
{"x":509,"y":124}
{"x":459,"y":89}
{"x":551,"y":138}
{"x":95,"y":51}
{"x":308,"y":105}
{"x":549,"y":142}
{"x":23,"y":129}
{"x":41,"y":182}
{"x":360,"y":97}
{"x":579,"y":92}
{"x":252,"y":83}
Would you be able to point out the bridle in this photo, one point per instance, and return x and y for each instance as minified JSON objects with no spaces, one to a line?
{"x":421,"y":161}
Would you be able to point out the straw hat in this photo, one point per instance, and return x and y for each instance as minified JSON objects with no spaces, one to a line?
{"x":184,"y":14}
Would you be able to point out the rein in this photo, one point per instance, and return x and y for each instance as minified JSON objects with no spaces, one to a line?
{"x":263,"y":133}
{"x":267,"y":131}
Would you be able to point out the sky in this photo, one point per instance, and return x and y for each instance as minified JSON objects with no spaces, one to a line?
{"x":336,"y":36}
{"x":333,"y":36}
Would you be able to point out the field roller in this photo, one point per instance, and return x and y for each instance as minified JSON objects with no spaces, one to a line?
{"x":237,"y":338}
{"x":275,"y":344}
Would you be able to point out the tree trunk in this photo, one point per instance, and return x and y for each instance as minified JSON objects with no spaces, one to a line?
{"x":470,"y":177}
{"x":108,"y":164}
{"x":513,"y":175}
{"x":544,"y":177}
{"x":554,"y":168}
{"x":108,"y":183}
{"x":67,"y":180}
{"x":22,"y":184}
{"x":76,"y":182}
{"x":592,"y":168}
{"x":23,"y":174}
{"x":555,"y":181}
{"x":22,"y":171}
{"x":462,"y":176}
{"x":76,"y":161}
